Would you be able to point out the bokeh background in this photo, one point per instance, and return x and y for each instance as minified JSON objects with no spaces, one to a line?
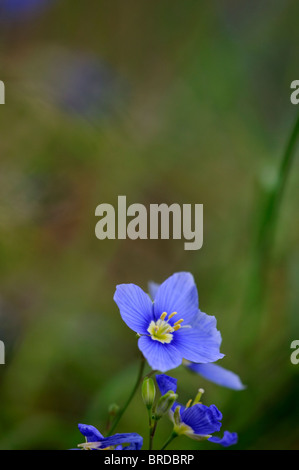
{"x":161,"y":101}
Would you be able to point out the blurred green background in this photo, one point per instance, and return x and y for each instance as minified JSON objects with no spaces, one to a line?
{"x":161,"y":101}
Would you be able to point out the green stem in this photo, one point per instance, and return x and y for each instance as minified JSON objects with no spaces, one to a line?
{"x":172,"y":436}
{"x":263,"y":244}
{"x":152,"y":434}
{"x":122,"y":411}
{"x":271,"y":210}
{"x":152,"y":372}
{"x":150,"y":412}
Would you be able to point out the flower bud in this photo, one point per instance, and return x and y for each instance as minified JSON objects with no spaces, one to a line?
{"x":177,"y":416}
{"x":165,"y":403}
{"x":113,"y":409}
{"x":148,"y":392}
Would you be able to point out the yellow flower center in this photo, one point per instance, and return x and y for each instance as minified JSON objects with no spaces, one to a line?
{"x":161,"y":330}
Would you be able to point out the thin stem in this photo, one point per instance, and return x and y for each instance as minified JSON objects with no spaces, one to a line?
{"x":152,"y":434}
{"x":152,"y":372}
{"x":150,"y":412}
{"x":108,"y":424}
{"x":169,"y":440}
{"x":262,"y":248}
{"x":271,"y":210}
{"x":122,"y":411}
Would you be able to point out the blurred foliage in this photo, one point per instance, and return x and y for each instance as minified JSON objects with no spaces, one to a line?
{"x":164,"y":101}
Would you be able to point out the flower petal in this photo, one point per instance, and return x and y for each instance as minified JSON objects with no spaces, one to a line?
{"x":177,"y":294}
{"x":208,"y":325}
{"x":90,"y":432}
{"x":205,"y":322}
{"x":196,"y":345}
{"x":202,"y":419}
{"x":135,"y":306}
{"x":166,"y":383}
{"x":160,"y":356}
{"x":153,"y":289}
{"x":228,"y":439}
{"x":218,"y":375}
{"x":134,"y":440}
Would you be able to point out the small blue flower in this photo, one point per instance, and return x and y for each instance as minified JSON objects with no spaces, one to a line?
{"x":228,"y":439}
{"x":195,"y":420}
{"x":164,"y":340}
{"x":209,"y":371}
{"x":96,"y":441}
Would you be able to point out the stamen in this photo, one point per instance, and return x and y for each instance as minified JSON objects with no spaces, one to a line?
{"x":176,"y":327}
{"x":169,"y":329}
{"x":172,"y":315}
{"x":161,"y":330}
{"x":198,"y":396}
{"x":178,"y":322}
{"x":189,"y":403}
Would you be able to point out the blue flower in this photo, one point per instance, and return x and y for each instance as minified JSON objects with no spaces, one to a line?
{"x":228,"y":439}
{"x":164,"y":340}
{"x":195,"y":420}
{"x":209,"y":371}
{"x":96,"y":441}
